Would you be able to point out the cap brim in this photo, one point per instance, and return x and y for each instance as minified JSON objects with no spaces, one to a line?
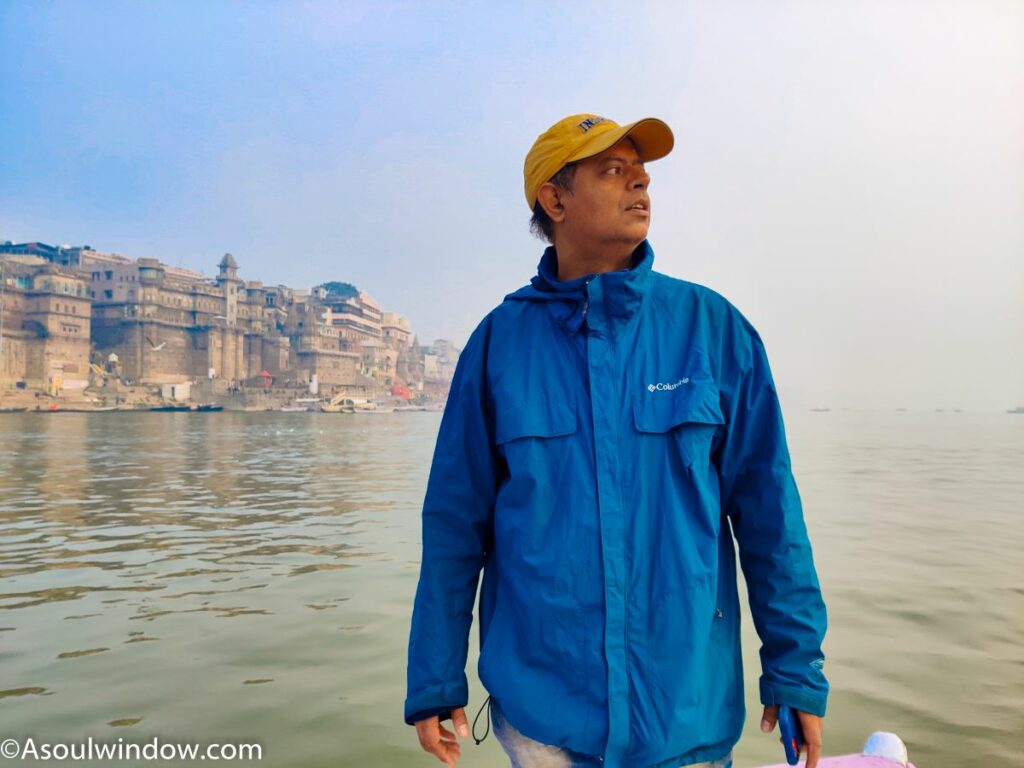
{"x":652,"y":137}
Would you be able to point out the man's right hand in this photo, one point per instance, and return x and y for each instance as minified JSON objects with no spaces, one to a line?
{"x":439,"y":741}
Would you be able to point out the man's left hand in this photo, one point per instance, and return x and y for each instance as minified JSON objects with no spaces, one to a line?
{"x":811,"y":725}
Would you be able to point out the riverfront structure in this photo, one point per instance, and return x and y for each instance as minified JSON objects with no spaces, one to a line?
{"x":71,"y":315}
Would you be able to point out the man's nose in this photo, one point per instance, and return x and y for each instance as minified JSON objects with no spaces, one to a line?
{"x":642,"y":179}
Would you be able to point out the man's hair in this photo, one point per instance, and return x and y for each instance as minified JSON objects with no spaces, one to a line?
{"x":540,"y":223}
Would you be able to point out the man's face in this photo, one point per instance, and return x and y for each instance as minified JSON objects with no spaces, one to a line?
{"x":609,"y":204}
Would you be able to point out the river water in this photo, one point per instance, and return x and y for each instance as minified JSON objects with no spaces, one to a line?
{"x":248,"y":577}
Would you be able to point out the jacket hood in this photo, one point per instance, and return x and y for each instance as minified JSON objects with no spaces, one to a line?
{"x":620,"y":291}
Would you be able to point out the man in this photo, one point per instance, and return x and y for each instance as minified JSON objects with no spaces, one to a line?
{"x":609,"y":431}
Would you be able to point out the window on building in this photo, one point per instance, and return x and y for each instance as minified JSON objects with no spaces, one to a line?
{"x":108,"y":294}
{"x":109,"y":274}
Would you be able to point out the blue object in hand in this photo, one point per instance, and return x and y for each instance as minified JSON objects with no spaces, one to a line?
{"x":792,"y":736}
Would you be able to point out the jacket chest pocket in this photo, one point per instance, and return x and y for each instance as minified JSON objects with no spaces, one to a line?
{"x":535,"y":437}
{"x":548,"y":417}
{"x":689,"y":416}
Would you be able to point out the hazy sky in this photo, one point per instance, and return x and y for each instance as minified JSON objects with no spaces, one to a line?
{"x":849,"y":174}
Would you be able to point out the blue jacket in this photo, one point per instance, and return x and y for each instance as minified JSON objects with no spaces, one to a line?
{"x":604,"y":442}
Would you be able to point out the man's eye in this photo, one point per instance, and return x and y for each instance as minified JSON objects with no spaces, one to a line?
{"x":614,"y":169}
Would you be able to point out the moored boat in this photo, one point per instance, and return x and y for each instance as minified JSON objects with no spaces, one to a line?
{"x":373,"y":407}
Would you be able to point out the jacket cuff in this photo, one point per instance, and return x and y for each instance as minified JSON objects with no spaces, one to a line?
{"x":443,"y":713}
{"x":811,"y":703}
{"x":441,"y":697}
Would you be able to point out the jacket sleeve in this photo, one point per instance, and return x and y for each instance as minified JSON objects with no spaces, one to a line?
{"x":760,"y":497}
{"x":457,"y":532}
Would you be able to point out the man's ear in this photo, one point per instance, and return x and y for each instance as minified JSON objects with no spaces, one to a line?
{"x":550,"y":198}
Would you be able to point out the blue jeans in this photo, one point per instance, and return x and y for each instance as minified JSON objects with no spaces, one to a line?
{"x":527,"y":753}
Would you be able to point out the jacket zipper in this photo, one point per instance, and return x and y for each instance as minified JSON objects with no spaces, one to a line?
{"x":625,"y":587}
{"x":629,"y":678}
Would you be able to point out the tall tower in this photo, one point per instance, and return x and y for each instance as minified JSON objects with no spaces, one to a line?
{"x":229,"y":282}
{"x":232,"y":338}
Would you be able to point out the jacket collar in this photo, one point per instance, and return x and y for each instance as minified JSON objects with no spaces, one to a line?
{"x":598,"y":298}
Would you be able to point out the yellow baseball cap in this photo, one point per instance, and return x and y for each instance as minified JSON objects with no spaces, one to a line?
{"x":580,"y":136}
